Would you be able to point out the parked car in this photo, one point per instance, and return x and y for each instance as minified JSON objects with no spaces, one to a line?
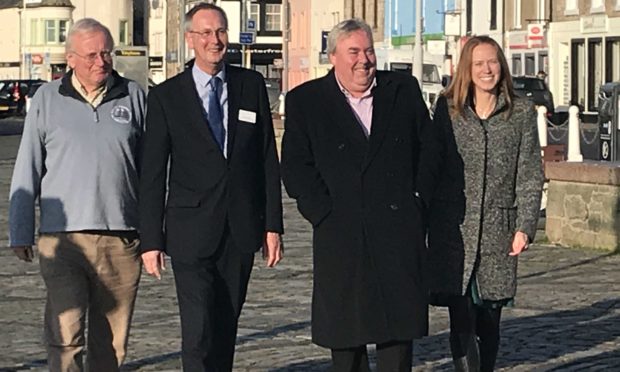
{"x":536,"y":90}
{"x":13,"y":95}
{"x":31,"y":91}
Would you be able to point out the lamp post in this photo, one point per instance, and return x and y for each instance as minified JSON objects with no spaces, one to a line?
{"x":181,"y":35}
{"x":418,"y":54}
{"x":285,"y":35}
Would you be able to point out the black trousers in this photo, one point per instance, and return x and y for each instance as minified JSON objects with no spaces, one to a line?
{"x":211,"y":292}
{"x":391,"y":357}
{"x":474,"y":334}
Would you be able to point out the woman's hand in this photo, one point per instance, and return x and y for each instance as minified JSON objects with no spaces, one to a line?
{"x":520,"y":243}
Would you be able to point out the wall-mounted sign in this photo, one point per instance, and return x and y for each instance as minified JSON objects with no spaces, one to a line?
{"x":37,"y":59}
{"x":535,"y":35}
{"x":156,"y":62}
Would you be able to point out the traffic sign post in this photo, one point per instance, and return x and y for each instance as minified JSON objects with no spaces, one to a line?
{"x":247,"y":38}
{"x":251,"y":25}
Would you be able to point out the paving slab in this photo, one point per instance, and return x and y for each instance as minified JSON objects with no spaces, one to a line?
{"x":566,"y":315}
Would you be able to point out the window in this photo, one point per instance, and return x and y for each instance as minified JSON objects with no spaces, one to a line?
{"x":62,"y":31}
{"x":517,"y":14}
{"x":541,"y":10}
{"x":273,"y":17}
{"x":493,"y":25}
{"x":578,"y":73}
{"x":54,"y":31}
{"x":595,"y":71}
{"x":597,"y":6}
{"x":254,"y":14}
{"x":123,"y":31}
{"x":516,"y":64}
{"x":468,"y":13}
{"x":571,"y":8}
{"x":612,"y":56}
{"x":530,"y":64}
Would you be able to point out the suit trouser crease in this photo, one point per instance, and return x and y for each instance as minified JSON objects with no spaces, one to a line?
{"x":393,"y":356}
{"x":95,"y":275}
{"x":211,"y":292}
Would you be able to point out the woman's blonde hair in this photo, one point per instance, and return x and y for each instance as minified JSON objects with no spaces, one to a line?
{"x":461,"y":89}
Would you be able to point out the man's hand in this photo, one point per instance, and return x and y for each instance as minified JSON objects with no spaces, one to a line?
{"x":272,"y":248}
{"x":520,"y":243}
{"x":153,"y":261}
{"x":24,"y":252}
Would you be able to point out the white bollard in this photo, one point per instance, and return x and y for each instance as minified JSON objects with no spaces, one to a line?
{"x":281,"y":105}
{"x":542,"y":125}
{"x":574,"y":147}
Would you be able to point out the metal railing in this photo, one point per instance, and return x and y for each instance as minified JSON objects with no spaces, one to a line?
{"x":575,"y":131}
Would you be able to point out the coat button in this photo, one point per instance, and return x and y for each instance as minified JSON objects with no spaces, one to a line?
{"x":394,"y":207}
{"x":341,"y":146}
{"x":397,"y":139}
{"x":390,"y":174}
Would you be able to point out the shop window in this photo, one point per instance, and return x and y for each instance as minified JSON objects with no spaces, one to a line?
{"x":595,"y":71}
{"x":612,"y":59}
{"x":530,"y":64}
{"x":516,"y":65}
{"x":578,"y":73}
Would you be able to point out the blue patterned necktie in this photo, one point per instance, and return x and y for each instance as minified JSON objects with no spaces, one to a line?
{"x":214,"y":112}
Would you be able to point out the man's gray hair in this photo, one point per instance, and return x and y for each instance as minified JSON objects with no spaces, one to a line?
{"x":345,"y":28}
{"x":88,"y":25}
{"x":189,"y":16}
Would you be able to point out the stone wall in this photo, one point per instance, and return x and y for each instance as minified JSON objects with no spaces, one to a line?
{"x":583,"y":204}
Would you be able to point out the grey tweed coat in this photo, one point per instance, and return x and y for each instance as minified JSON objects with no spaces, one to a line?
{"x":490,"y":188}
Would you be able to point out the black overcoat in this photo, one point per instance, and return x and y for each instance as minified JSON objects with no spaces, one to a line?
{"x":359,"y":196}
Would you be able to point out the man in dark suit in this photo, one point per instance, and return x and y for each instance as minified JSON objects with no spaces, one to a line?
{"x":361,"y":168}
{"x":212,"y":125}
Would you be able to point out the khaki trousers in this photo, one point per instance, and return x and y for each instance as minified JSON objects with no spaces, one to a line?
{"x":94,"y":273}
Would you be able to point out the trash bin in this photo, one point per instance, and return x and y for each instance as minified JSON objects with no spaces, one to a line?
{"x":609,"y":121}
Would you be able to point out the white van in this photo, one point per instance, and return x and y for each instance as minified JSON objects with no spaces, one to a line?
{"x":401,"y":60}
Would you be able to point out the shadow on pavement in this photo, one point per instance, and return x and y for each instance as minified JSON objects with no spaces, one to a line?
{"x":544,"y":337}
{"x":157,"y":359}
{"x":561,"y":268}
{"x":312,"y":365}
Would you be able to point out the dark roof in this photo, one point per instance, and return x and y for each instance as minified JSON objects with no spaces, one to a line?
{"x":7,"y":4}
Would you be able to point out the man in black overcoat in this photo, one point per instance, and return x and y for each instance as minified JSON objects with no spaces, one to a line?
{"x":360,"y":157}
{"x":212,"y":126}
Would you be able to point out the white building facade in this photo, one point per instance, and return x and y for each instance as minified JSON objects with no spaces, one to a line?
{"x":36,"y":33}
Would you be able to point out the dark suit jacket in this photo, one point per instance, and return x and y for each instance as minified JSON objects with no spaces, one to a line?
{"x":206,"y":190}
{"x":358,"y":193}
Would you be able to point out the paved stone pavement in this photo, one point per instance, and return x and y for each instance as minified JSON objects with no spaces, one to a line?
{"x":566,"y":316}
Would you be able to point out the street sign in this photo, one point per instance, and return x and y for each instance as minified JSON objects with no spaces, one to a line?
{"x":251,"y":25}
{"x":246,"y":38}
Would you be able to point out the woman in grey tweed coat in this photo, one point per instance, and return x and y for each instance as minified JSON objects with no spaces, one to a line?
{"x":486,"y":208}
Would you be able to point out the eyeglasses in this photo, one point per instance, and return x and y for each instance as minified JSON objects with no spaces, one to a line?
{"x":206,"y":34}
{"x":105,"y":55}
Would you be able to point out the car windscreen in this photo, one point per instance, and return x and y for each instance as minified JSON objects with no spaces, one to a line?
{"x":528,"y":84}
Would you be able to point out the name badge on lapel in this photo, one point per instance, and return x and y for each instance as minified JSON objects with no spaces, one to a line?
{"x":247,"y":116}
